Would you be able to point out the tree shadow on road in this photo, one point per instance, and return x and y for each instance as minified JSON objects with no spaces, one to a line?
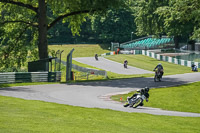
{"x":134,"y":83}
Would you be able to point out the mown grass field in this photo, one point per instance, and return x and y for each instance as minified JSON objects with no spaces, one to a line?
{"x":149,"y":63}
{"x":184,"y":98}
{"x":22,"y":116}
{"x":81,"y":50}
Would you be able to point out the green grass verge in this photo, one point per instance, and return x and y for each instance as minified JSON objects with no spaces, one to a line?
{"x":22,"y":116}
{"x":183,"y":98}
{"x":81,"y":50}
{"x":148,"y":63}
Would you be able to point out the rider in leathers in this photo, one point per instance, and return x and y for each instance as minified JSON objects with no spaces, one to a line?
{"x":160,"y":69}
{"x":142,"y":92}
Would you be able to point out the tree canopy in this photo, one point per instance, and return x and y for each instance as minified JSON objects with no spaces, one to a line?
{"x":168,"y":17}
{"x":26,"y":22}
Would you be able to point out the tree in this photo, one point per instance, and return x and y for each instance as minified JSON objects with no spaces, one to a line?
{"x":179,"y":19}
{"x":148,"y":22}
{"x":176,"y":18}
{"x":29,"y":18}
{"x":115,"y":26}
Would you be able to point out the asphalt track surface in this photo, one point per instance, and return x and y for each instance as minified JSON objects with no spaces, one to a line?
{"x":97,"y":94}
{"x":111,"y":66}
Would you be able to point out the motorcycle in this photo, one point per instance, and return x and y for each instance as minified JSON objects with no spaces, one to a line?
{"x":194,"y":68}
{"x":136,"y":101}
{"x":96,"y":57}
{"x":157,"y":76}
{"x":125,"y":65}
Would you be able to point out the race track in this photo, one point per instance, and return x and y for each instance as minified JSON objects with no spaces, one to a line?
{"x":96,"y":94}
{"x":111,"y":66}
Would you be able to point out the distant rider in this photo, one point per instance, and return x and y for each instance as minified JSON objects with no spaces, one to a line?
{"x":125,"y":63}
{"x":96,"y":56}
{"x":194,"y":67}
{"x":160,"y":69}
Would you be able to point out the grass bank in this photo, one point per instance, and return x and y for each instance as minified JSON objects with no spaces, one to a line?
{"x":81,"y":50}
{"x":18,"y":115}
{"x":184,"y":98}
{"x":148,"y":63}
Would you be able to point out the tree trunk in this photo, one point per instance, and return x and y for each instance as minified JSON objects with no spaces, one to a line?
{"x":192,"y":43}
{"x":176,"y":41}
{"x":42,"y":20}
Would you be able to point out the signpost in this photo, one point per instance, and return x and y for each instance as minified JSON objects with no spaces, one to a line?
{"x":69,"y":66}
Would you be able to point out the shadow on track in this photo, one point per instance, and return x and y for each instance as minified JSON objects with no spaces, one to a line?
{"x":134,"y":83}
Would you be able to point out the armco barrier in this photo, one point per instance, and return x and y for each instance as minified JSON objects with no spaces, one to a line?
{"x":19,"y":77}
{"x":87,"y":70}
{"x":162,"y":57}
{"x":170,"y":59}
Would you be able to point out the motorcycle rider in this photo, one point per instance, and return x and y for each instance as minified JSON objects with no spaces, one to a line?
{"x":160,"y":69}
{"x":194,"y":68}
{"x":125,"y":63}
{"x":143,"y":91}
{"x":96,"y":56}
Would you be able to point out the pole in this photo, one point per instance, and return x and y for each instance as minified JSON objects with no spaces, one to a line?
{"x":131,"y":35}
{"x":60,"y":61}
{"x":69,"y":65}
{"x":55,"y":59}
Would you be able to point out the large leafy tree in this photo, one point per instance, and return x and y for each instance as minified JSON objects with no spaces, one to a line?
{"x":149,"y":22}
{"x":115,"y":26}
{"x":181,"y":19}
{"x":27,"y":21}
{"x":178,"y":18}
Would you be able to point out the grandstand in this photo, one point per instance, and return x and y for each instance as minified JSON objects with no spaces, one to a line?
{"x":147,"y":43}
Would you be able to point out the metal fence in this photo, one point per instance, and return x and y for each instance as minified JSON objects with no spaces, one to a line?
{"x":19,"y":77}
{"x":89,"y":70}
{"x":86,"y":70}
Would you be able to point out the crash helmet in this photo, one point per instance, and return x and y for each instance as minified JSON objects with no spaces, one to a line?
{"x":146,"y":89}
{"x":142,"y":91}
{"x":159,"y":64}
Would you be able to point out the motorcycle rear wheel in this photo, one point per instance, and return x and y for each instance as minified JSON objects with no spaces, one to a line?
{"x":138,"y":102}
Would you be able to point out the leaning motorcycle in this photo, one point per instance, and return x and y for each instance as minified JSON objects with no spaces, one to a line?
{"x":96,"y":57}
{"x":135,"y":101}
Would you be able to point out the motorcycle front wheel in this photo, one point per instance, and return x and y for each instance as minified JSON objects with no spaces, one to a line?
{"x":156,"y":78}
